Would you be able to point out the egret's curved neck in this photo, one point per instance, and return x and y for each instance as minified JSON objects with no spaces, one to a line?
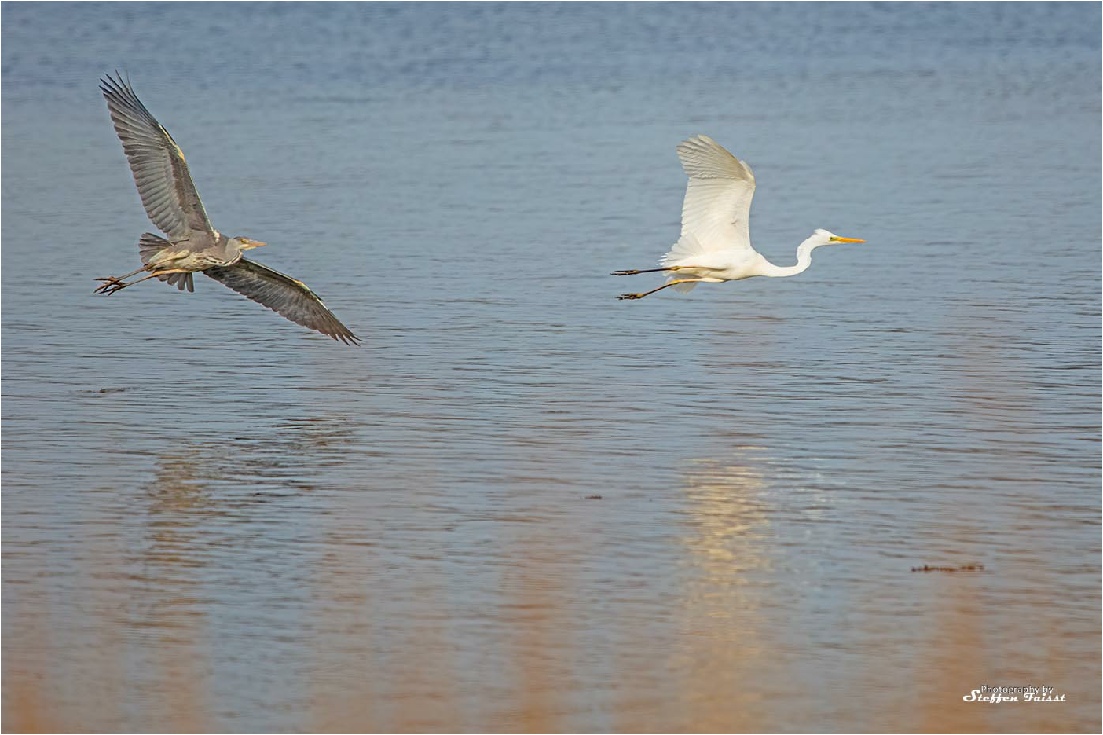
{"x":804,"y":259}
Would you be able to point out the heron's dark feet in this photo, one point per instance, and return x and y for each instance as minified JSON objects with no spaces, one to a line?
{"x":630,"y":296}
{"x":111,"y":285}
{"x":624,"y":273}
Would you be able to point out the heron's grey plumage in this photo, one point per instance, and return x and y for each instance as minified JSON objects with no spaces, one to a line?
{"x":193,"y":245}
{"x":160,"y":171}
{"x":283,"y":295}
{"x":149,"y":245}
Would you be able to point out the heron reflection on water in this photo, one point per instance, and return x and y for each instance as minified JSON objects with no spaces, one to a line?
{"x":194,"y":245}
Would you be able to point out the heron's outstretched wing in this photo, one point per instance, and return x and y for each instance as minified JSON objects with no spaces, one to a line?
{"x":160,"y":172}
{"x":283,"y":295}
{"x":718,"y":197}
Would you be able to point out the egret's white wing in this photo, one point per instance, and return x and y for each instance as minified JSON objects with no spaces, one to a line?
{"x":160,"y":172}
{"x":718,"y":198}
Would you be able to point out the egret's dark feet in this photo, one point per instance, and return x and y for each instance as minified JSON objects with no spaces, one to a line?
{"x":630,"y":296}
{"x":624,"y":273}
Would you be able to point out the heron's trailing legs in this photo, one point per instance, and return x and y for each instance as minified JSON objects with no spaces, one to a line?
{"x":112,"y":285}
{"x":117,"y":283}
{"x":111,"y":280}
{"x":675,"y":282}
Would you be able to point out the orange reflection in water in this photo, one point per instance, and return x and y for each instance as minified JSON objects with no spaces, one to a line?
{"x":725,"y":645}
{"x":718,"y":653}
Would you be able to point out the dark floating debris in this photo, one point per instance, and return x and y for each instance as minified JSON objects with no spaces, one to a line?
{"x":593,"y":497}
{"x":958,"y":568}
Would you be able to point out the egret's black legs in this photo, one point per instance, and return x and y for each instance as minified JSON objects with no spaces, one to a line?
{"x":646,"y":270}
{"x":675,"y":282}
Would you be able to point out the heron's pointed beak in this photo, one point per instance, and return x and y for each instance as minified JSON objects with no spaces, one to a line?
{"x":256,"y":244}
{"x":847,"y":239}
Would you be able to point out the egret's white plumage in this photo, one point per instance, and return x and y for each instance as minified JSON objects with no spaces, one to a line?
{"x":715,"y":244}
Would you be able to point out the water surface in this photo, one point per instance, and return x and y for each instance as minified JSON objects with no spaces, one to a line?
{"x":523,"y":505}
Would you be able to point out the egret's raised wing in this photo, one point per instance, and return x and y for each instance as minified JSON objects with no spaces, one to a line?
{"x":718,"y":196}
{"x":160,"y":172}
{"x":282,"y":294}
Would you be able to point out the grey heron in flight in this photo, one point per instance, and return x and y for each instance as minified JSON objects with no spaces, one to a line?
{"x":194,"y":245}
{"x":715,"y":244}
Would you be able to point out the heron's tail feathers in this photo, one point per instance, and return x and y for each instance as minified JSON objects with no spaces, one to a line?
{"x":180,"y":280}
{"x":687,"y":246}
{"x":148,"y":246}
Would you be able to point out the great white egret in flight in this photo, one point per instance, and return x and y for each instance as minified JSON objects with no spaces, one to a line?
{"x":715,"y":245}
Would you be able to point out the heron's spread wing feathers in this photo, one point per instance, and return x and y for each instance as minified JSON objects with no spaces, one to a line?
{"x":283,"y":295}
{"x":160,"y":172}
{"x":718,"y":197}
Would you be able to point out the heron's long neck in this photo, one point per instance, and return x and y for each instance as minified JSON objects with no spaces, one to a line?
{"x":804,"y":259}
